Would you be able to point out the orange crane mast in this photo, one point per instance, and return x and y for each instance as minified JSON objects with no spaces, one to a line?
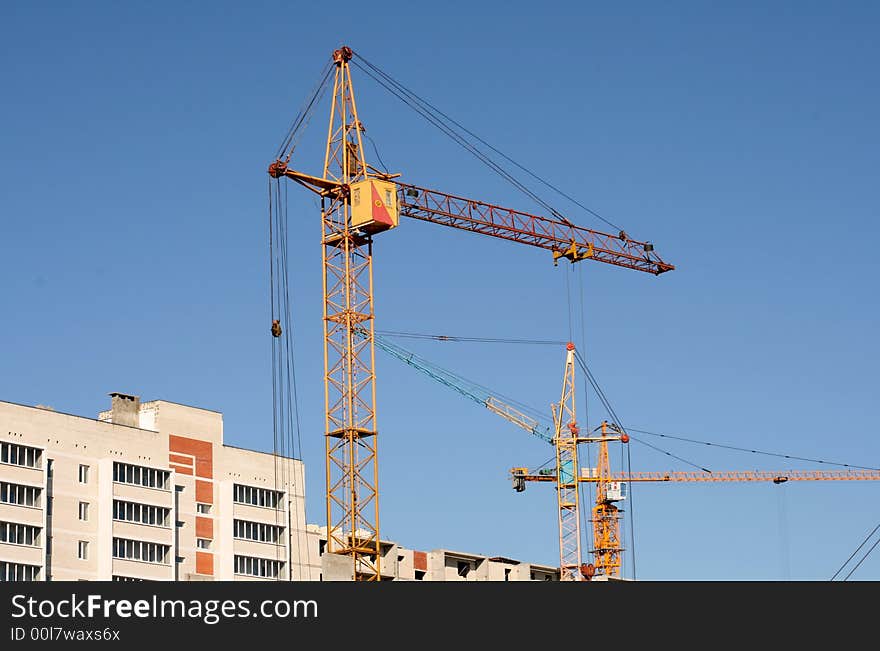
{"x":358,"y":202}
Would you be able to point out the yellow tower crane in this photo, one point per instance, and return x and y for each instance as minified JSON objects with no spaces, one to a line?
{"x":611,"y":488}
{"x":358,"y":202}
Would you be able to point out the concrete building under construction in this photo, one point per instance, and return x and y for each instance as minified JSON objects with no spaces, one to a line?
{"x":149,"y":491}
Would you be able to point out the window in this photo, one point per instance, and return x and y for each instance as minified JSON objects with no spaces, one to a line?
{"x":140,"y":550}
{"x":84,"y":511}
{"x":204,"y":509}
{"x":262,"y":567}
{"x":20,"y":455}
{"x":127,"y":473}
{"x":507,"y":574}
{"x":464,"y":568}
{"x":322,"y":545}
{"x":256,"y":496}
{"x":420,"y":575}
{"x":18,"y":572}
{"x":20,"y":494}
{"x":119,"y":577}
{"x":203,"y":543}
{"x":82,"y":550}
{"x":257,"y":531}
{"x":19,"y":534}
{"x":387,"y":198}
{"x":541,"y":576}
{"x":149,"y":514}
{"x":83,"y":474}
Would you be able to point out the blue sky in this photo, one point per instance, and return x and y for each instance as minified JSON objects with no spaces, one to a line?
{"x":741,"y":140}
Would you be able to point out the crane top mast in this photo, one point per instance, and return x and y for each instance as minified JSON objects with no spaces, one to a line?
{"x":377,"y":199}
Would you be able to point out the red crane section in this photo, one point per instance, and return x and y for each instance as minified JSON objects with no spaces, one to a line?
{"x":564,"y":239}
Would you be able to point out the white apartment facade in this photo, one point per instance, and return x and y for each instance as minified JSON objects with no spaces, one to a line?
{"x":145,"y":492}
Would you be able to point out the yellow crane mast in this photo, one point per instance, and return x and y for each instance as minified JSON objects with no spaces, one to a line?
{"x":358,"y":202}
{"x":611,"y":488}
{"x":348,"y":199}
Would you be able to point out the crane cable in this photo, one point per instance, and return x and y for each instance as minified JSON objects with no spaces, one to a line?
{"x":545,"y":464}
{"x":851,"y":556}
{"x":867,"y":553}
{"x":632,"y":530}
{"x":403,"y":95}
{"x":428,"y":106}
{"x":582,"y":349}
{"x":558,"y":342}
{"x":275,"y":298}
{"x":585,"y":511}
{"x":385,"y":168}
{"x":286,"y":430}
{"x":285,"y":398}
{"x":784,"y":545}
{"x":763,"y":452}
{"x":301,"y":121}
{"x":616,"y":420}
{"x":613,"y":415}
{"x":568,"y":302}
{"x":481,"y":340}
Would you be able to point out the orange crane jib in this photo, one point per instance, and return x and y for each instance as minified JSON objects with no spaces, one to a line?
{"x":564,"y":239}
{"x":725,"y":476}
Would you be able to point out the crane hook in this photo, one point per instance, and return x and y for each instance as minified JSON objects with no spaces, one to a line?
{"x":276,"y":328}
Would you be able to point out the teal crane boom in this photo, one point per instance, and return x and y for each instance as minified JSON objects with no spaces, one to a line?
{"x":479,"y":394}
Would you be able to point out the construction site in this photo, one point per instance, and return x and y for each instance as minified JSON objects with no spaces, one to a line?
{"x":360,"y":202}
{"x":515,"y":454}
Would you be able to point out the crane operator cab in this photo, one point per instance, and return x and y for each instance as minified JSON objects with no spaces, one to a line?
{"x":615,"y":491}
{"x":374,"y":205}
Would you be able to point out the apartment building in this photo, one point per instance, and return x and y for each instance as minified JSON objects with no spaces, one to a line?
{"x":150,"y":492}
{"x":144,"y":492}
{"x":398,"y":563}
